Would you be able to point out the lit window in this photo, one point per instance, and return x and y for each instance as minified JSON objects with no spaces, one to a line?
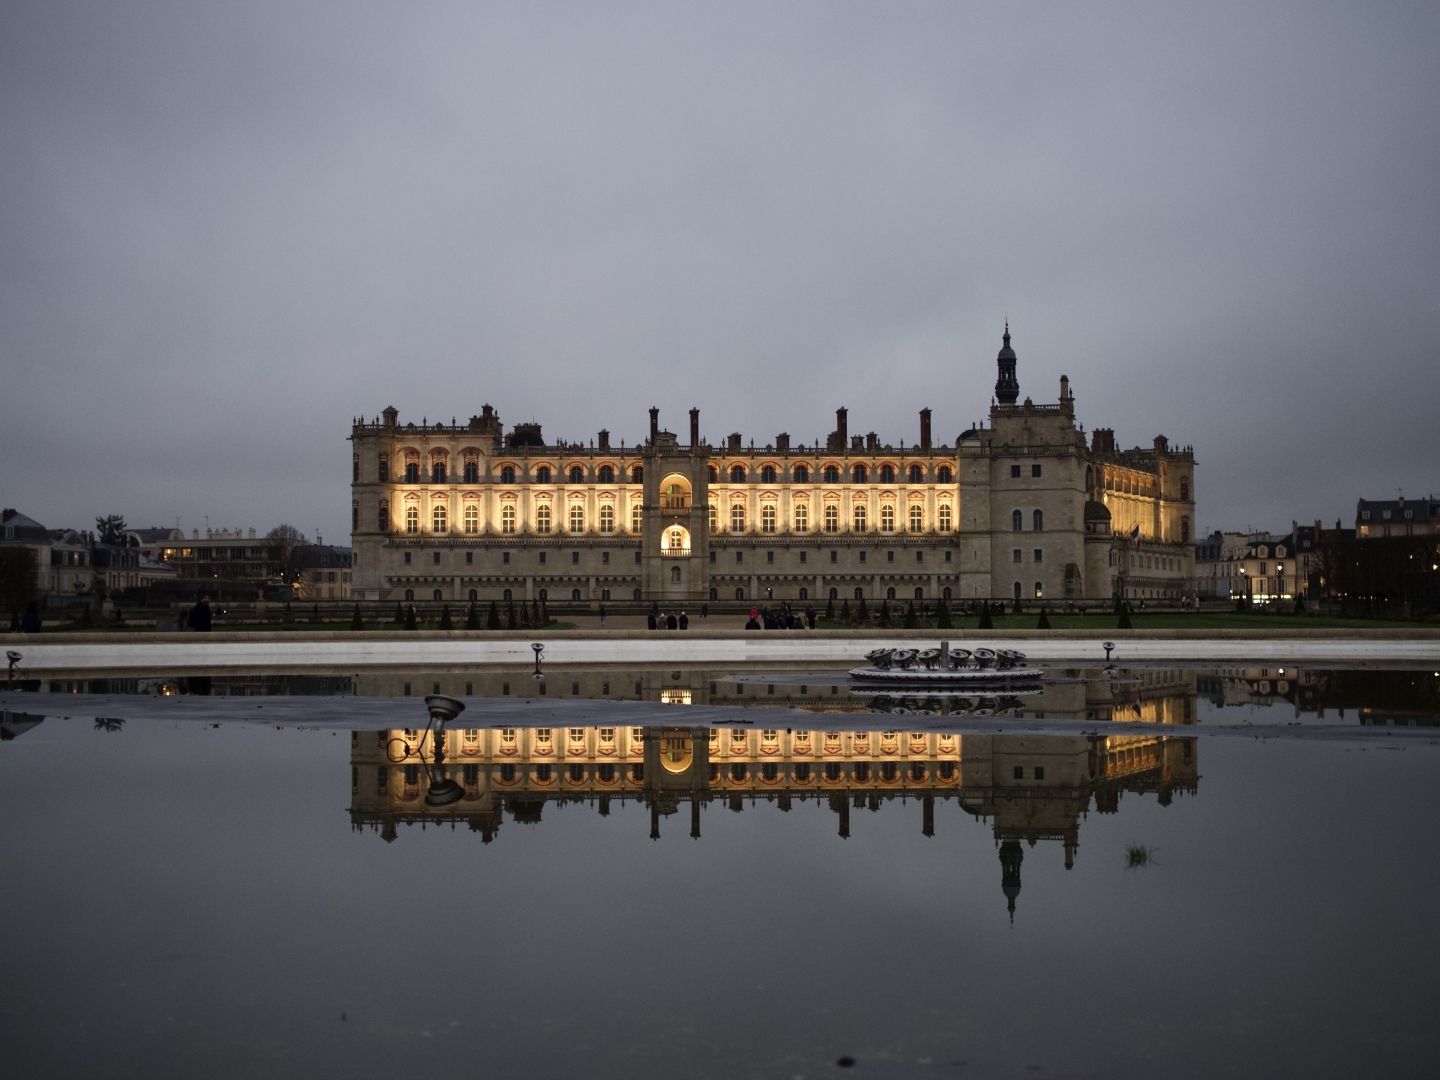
{"x":607,"y":518}
{"x":472,"y":518}
{"x":737,"y":517}
{"x":637,"y":517}
{"x":767,"y":518}
{"x":943,"y":517}
{"x":507,"y":518}
{"x":542,"y":518}
{"x":917,"y":518}
{"x":802,"y":518}
{"x":832,"y":518}
{"x":887,"y":518}
{"x":412,"y":519}
{"x":577,"y":518}
{"x":858,"y":518}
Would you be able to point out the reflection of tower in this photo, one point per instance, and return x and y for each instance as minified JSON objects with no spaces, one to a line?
{"x":1010,"y":859}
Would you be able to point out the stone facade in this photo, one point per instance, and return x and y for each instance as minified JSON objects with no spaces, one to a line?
{"x":1019,"y":508}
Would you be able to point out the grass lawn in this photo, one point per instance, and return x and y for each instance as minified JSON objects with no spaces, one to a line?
{"x":1161,"y":620}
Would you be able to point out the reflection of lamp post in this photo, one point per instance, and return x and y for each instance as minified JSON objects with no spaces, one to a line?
{"x":444,"y":791}
{"x":538,"y":676}
{"x":14,"y":658}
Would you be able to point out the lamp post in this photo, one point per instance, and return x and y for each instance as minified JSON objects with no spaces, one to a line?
{"x":442,"y":791}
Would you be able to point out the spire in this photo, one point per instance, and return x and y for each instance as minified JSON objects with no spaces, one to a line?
{"x":1007,"y":386}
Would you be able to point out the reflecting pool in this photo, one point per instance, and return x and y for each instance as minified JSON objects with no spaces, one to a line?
{"x":1131,"y":873}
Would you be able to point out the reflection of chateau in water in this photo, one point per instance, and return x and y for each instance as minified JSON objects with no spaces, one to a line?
{"x":1030,"y":788}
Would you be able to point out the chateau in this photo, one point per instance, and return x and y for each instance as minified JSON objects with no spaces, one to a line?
{"x":1021,"y":508}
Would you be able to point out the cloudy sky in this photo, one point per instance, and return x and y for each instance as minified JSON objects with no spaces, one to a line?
{"x":228,"y":228}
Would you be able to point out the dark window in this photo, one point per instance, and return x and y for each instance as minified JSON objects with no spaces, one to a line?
{"x":767,"y":474}
{"x":859,"y":474}
{"x":437,"y":472}
{"x":542,"y":474}
{"x":917,"y":474}
{"x":737,"y":473}
{"x":472,"y":472}
{"x":802,"y":474}
{"x":577,"y":474}
{"x":887,"y":474}
{"x":1015,"y":472}
{"x":606,"y":474}
{"x":832,"y":474}
{"x":574,"y":557}
{"x":384,"y":470}
{"x":1035,"y":470}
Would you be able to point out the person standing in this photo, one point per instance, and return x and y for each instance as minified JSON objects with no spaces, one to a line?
{"x":602,"y":614}
{"x":684,"y":621}
{"x":199,"y":618}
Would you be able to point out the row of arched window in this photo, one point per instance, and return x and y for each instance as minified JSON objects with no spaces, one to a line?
{"x":607,"y":521}
{"x":439,"y":473}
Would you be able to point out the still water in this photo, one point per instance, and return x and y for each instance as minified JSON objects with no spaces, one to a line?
{"x":242,"y":898}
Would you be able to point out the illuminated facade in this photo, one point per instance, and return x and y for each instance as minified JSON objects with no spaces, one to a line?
{"x":1020,"y":508}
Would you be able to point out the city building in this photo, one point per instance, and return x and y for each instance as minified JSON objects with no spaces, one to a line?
{"x":320,"y":572}
{"x":1021,"y":508}
{"x":1376,"y":519}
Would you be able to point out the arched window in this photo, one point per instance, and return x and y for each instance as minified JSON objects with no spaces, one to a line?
{"x":945,"y":592}
{"x":804,"y":593}
{"x":767,"y":518}
{"x":887,"y":518}
{"x":1017,"y":590}
{"x":887,"y":474}
{"x":542,"y":474}
{"x":737,"y":517}
{"x":890,"y":593}
{"x":606,"y":475}
{"x":474,"y":595}
{"x":714,"y":474}
{"x":917,"y":474}
{"x":355,"y":468}
{"x":1017,"y":521}
{"x":507,"y":595}
{"x":943,"y":520}
{"x":859,"y":474}
{"x":767,"y":474}
{"x":801,"y":474}
{"x":714,"y":518}
{"x":917,"y":518}
{"x":412,"y":472}
{"x":604,"y":594}
{"x":802,"y":518}
{"x":472,"y":518}
{"x":544,"y":595}
{"x":437,"y":472}
{"x":577,"y":518}
{"x":436,"y":595}
{"x":637,"y":517}
{"x":1184,"y":490}
{"x":1184,"y":530}
{"x":637,"y":476}
{"x":1039,"y":590}
{"x":834,"y":594}
{"x":714,"y":593}
{"x":542,"y":518}
{"x":859,"y":593}
{"x":507,"y":518}
{"x":412,"y":518}
{"x":919,"y":593}
{"x":739,"y":592}
{"x":832,"y":517}
{"x":382,"y":516}
{"x":409,"y":594}
{"x":507,"y":474}
{"x":635,"y":594}
{"x":574,"y":594}
{"x":472,"y":472}
{"x":355,"y":516}
{"x":439,"y":518}
{"x":384,"y":473}
{"x":832,"y":474}
{"x":675,"y":575}
{"x":577,"y":474}
{"x":607,"y":518}
{"x":858,"y":518}
{"x":737,"y":474}
{"x":1038,"y":518}
{"x":943,"y":475}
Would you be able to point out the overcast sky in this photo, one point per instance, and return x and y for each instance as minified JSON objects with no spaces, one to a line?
{"x":228,"y":228}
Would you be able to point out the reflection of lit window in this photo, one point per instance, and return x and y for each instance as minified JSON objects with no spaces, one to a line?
{"x":607,"y":735}
{"x":577,"y":735}
{"x":672,"y":697}
{"x":542,"y":736}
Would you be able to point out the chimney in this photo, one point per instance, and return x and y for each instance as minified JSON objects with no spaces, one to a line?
{"x":733,"y":443}
{"x":925,"y":429}
{"x":604,"y":439}
{"x":654,"y":425}
{"x":871,"y":442}
{"x":694,"y":426}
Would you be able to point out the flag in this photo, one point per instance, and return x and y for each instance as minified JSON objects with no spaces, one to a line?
{"x":1135,"y":532}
